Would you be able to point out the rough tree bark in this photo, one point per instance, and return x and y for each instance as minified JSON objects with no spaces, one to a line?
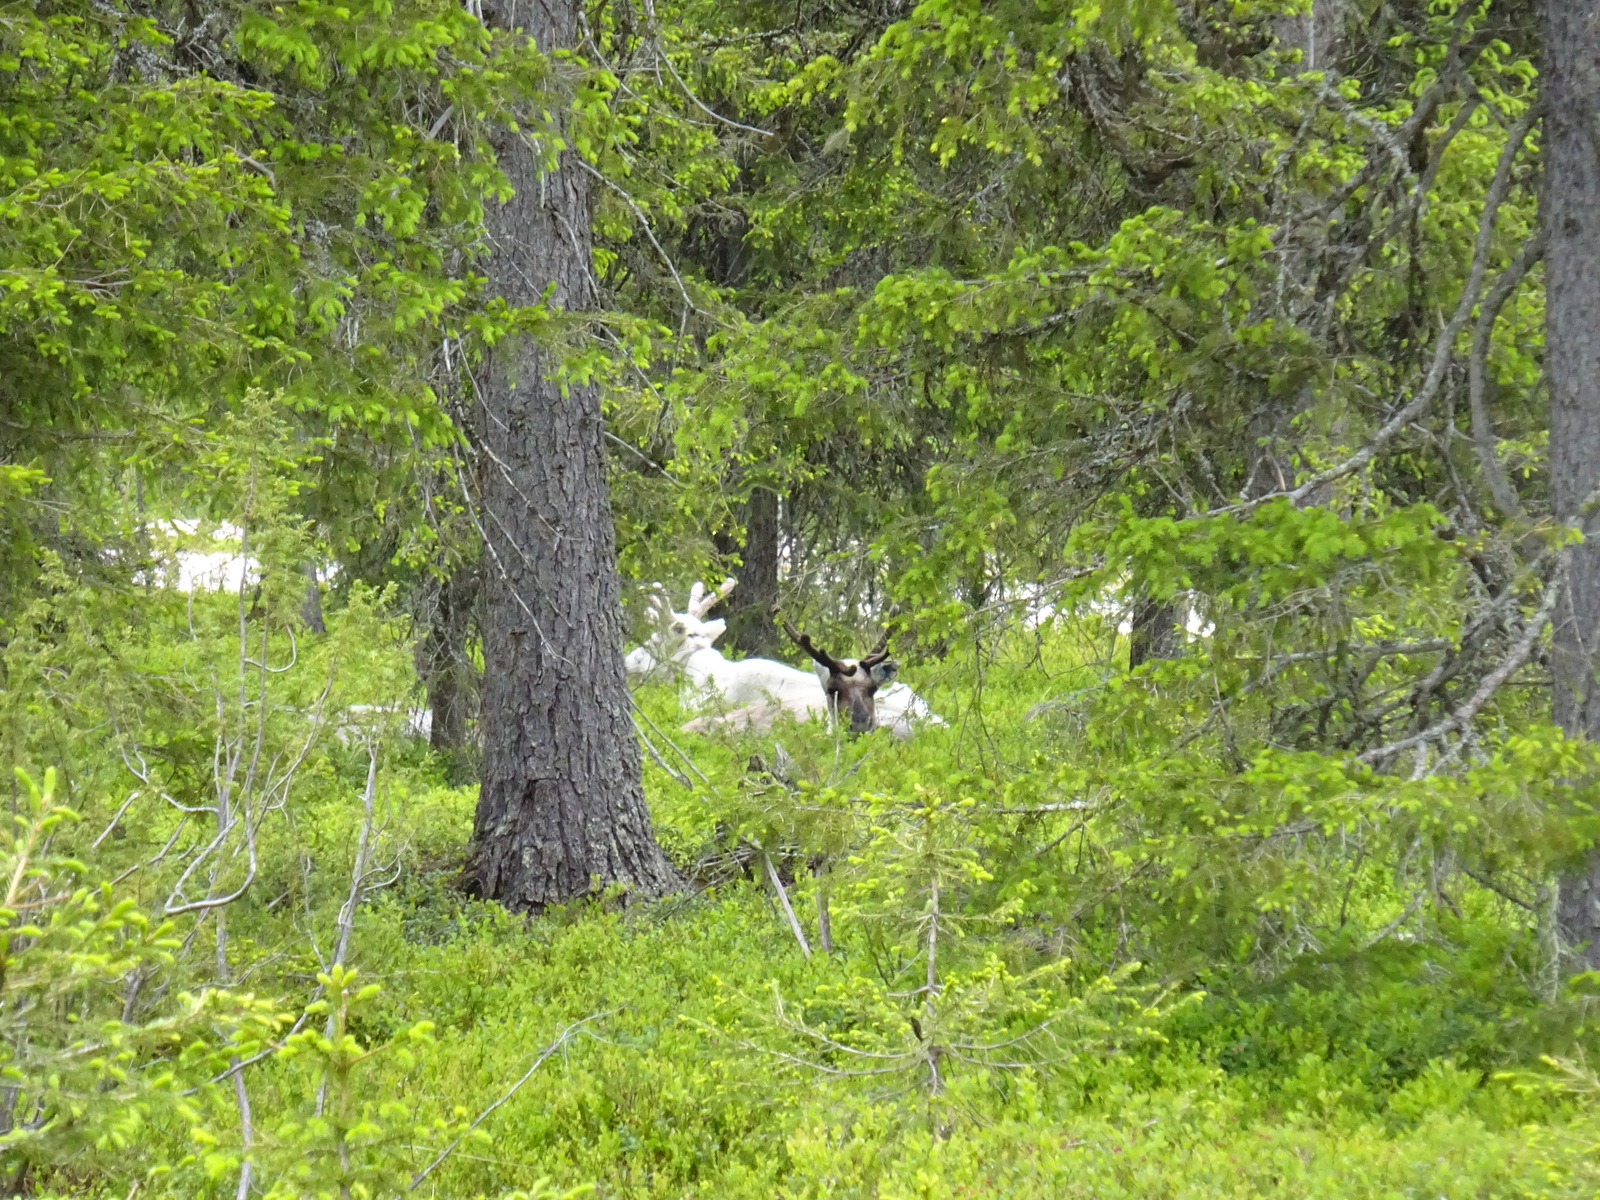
{"x":561,"y":811}
{"x":748,"y":610}
{"x":1571,"y":216}
{"x":311,"y":606}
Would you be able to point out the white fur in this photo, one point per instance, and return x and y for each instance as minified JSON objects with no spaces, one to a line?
{"x":902,"y":710}
{"x":762,"y":688}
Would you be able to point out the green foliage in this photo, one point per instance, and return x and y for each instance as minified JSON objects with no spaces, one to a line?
{"x":85,"y":1086}
{"x":285,"y":199}
{"x":345,"y":1141}
{"x":1283,"y":1029}
{"x":1036,"y":316}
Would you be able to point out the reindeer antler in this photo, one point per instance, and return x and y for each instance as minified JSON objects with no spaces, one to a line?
{"x":822,"y":656}
{"x":701,"y":602}
{"x":660,"y":607}
{"x":879,"y":652}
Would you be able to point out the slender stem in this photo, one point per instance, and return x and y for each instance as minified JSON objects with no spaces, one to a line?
{"x":788,"y":909}
{"x":347,"y":912}
{"x":246,"y":1131}
{"x":1483,"y":436}
{"x":935,"y":1080}
{"x":824,"y":917}
{"x":358,"y":873}
{"x":241,"y":1093}
{"x":561,"y":1040}
{"x":931,"y":989}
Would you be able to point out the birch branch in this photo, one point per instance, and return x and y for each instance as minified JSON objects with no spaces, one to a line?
{"x":788,"y":909}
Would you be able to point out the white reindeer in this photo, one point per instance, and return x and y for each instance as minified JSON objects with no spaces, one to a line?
{"x":683,"y":640}
{"x":686,"y":641}
{"x":764,"y":689}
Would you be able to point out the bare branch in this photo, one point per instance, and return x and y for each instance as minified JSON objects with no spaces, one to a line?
{"x":1483,"y":437}
{"x":1490,"y":684}
{"x":1444,"y":348}
{"x":562,"y":1039}
{"x":644,"y":223}
{"x":788,"y":909}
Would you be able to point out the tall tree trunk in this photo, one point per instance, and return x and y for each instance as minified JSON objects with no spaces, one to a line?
{"x":1315,"y":33}
{"x":561,"y":810}
{"x":1571,"y":216}
{"x":748,"y":610}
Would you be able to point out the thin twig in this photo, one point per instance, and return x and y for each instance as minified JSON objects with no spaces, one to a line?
{"x":650,"y":748}
{"x":561,"y":1040}
{"x":106,"y":832}
{"x":644,"y":223}
{"x":824,"y":917}
{"x":1490,"y":684}
{"x":1483,"y":436}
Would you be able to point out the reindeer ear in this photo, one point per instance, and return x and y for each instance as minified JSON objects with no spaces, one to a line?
{"x":714,"y":629}
{"x":885,"y":671}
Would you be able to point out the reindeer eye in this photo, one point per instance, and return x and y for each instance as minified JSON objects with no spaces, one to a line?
{"x":677,"y":627}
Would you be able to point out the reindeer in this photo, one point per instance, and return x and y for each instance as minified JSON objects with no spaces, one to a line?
{"x":874,"y":697}
{"x":850,"y":684}
{"x":853,"y":686}
{"x":685,"y":639}
{"x":763,"y":689}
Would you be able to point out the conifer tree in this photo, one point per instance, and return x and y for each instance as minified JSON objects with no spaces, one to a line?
{"x":1571,"y":217}
{"x":562,"y":802}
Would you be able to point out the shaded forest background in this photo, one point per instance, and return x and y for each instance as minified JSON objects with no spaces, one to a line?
{"x":1203,"y":397}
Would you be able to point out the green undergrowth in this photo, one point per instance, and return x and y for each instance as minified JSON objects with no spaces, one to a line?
{"x":718,"y":1060}
{"x":682,"y":1088}
{"x":1149,"y":977}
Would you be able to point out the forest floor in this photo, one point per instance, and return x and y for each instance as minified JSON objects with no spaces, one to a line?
{"x":691,"y":1047}
{"x":985,"y":961}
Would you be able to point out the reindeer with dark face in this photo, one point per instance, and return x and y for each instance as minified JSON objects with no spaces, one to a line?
{"x":851,"y":684}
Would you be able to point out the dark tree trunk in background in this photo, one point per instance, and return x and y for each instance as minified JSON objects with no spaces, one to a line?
{"x":1274,"y":436}
{"x":562,"y":808}
{"x":311,"y":606}
{"x":1314,"y":33}
{"x":1571,"y":91}
{"x":748,"y":610}
{"x":1154,"y":632}
{"x":447,"y":669}
{"x":1152,"y":626}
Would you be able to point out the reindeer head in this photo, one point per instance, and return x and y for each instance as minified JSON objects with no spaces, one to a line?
{"x":678,"y":634}
{"x":850,"y":683}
